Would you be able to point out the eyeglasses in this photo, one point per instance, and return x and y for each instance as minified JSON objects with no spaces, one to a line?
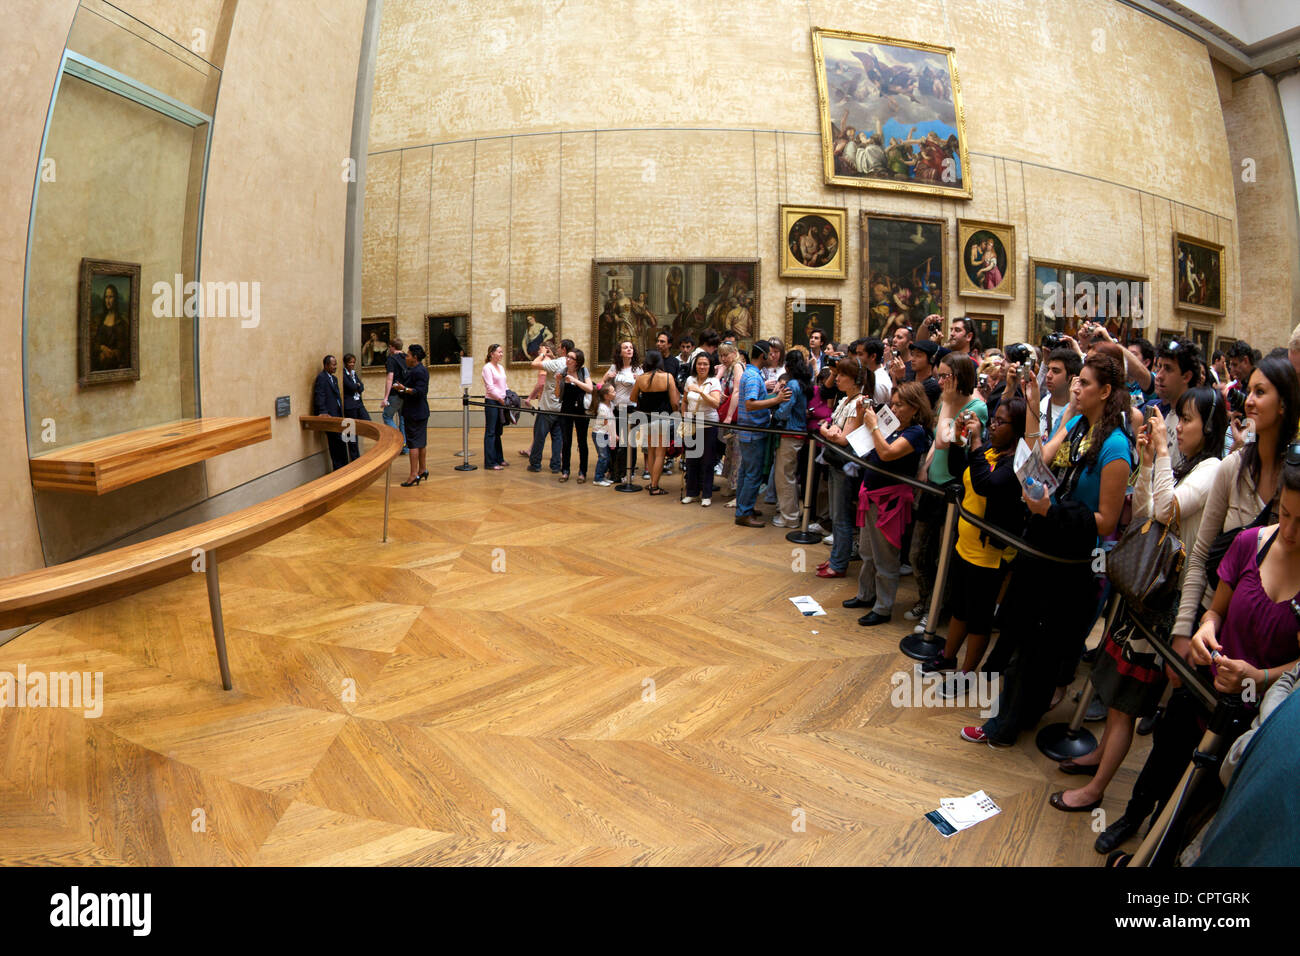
{"x":943,"y":376}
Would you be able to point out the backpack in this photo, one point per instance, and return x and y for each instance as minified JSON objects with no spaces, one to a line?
{"x":510,"y":414}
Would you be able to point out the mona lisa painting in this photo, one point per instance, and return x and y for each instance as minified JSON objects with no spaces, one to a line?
{"x":108,"y":322}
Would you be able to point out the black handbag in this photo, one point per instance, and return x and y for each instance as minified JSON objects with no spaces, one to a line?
{"x":1223,"y":541}
{"x":1145,"y":564}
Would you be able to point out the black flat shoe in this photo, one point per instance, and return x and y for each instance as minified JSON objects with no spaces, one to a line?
{"x":855,"y":602}
{"x":1057,"y":800}
{"x":872,"y":619}
{"x":1118,"y":832}
{"x":936,"y":665}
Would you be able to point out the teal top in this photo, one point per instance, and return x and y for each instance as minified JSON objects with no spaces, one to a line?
{"x":939,"y":473}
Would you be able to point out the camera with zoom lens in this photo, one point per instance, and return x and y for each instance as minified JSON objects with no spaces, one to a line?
{"x":1053,"y":340}
{"x":1020,"y":353}
{"x":1236,"y":401}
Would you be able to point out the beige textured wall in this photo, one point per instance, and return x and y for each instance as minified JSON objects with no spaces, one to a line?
{"x":1266,"y":207}
{"x":274,"y":215}
{"x":1095,"y":130}
{"x":31,"y":57}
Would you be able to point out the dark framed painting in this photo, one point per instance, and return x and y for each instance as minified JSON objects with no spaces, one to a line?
{"x":803,"y":315}
{"x":1222,"y":344}
{"x":1198,"y":272}
{"x":634,"y":299}
{"x":1202,"y":337}
{"x":448,"y":336}
{"x":375,"y":335}
{"x":988,"y":330}
{"x":108,"y":322}
{"x":1165,"y":336}
{"x":1066,"y":296}
{"x":903,"y":278}
{"x":530,"y":327}
{"x":814,"y":242}
{"x":987,"y":256}
{"x":891,"y":114}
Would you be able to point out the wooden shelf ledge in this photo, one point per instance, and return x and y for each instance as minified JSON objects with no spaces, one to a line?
{"x":107,"y":464}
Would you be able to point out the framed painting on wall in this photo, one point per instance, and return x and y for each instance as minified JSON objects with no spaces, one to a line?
{"x":108,"y":322}
{"x":1198,"y":271}
{"x":803,"y":315}
{"x":1066,"y":296}
{"x":633,"y":299}
{"x":376,"y":332}
{"x":891,"y":114}
{"x":988,"y":331}
{"x":1202,"y":337}
{"x":814,"y":242}
{"x":987,"y":252}
{"x":1223,"y":344}
{"x":530,"y":327}
{"x":1165,"y":336}
{"x":448,"y":336}
{"x":903,"y":271}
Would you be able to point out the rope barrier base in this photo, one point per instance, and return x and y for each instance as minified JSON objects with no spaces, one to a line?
{"x":921,"y":647}
{"x":466,"y":467}
{"x":804,"y":537}
{"x":1062,"y":742}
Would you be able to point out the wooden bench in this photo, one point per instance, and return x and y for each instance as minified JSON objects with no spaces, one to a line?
{"x":51,"y":592}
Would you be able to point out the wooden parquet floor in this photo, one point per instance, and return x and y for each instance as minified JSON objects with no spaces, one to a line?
{"x":528,"y":672}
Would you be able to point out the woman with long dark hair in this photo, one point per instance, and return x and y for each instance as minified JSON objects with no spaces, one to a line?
{"x":623,"y":375}
{"x":655,"y":394}
{"x":574,"y":390}
{"x":791,"y":414}
{"x":845,"y":477}
{"x":700,"y":401}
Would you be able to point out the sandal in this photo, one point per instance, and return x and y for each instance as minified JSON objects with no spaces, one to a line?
{"x":657,"y":491}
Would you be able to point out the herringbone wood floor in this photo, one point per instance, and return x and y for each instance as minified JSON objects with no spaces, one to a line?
{"x":499,"y":650}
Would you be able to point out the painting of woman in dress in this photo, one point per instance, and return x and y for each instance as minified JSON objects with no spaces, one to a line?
{"x":987,"y":258}
{"x":529,"y":327}
{"x":108,"y":332}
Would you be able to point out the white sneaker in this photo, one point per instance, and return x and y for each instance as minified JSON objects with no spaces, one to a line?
{"x":717,"y":469}
{"x":816,"y":528}
{"x":778,"y":522}
{"x":687,"y":499}
{"x":645,"y":476}
{"x":603,"y":483}
{"x":920,"y":628}
{"x":904,"y":570}
{"x":731,"y":503}
{"x":829,"y":539}
{"x":705,"y":502}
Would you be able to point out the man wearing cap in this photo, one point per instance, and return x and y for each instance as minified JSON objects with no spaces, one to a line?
{"x":922,"y":353}
{"x":755,"y":409}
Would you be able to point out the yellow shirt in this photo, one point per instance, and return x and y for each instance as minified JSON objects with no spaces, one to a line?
{"x":969,"y":546}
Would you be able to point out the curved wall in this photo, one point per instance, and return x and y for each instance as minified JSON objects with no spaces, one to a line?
{"x":511,"y":145}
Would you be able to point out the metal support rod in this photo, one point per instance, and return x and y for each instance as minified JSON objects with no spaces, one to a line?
{"x":803,"y":535}
{"x":1211,"y":744}
{"x":925,"y":646}
{"x":464,"y":433}
{"x":388,"y":485}
{"x":218,"y":626}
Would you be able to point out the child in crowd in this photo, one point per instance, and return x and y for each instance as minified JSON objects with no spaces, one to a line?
{"x":603,"y":432}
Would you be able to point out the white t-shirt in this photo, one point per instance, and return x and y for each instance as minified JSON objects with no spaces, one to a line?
{"x":884,"y":386}
{"x":552,"y":367}
{"x":624,"y":379}
{"x":604,"y":418}
{"x":700,"y":409}
{"x":1049,"y":416}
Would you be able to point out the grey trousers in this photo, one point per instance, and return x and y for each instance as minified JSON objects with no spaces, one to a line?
{"x":880,"y":563}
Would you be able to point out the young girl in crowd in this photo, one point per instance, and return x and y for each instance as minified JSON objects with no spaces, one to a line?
{"x":604,"y":432}
{"x":1127,"y":674}
{"x":700,"y":401}
{"x":977,"y":569}
{"x":844,"y":476}
{"x":885,"y":505}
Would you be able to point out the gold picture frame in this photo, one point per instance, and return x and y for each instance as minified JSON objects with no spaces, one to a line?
{"x":986,"y":251}
{"x":1198,"y":275}
{"x":891,"y":262}
{"x":372,"y":355}
{"x":108,"y":326}
{"x":1105,"y":285}
{"x":990,"y":329}
{"x":812,"y":312}
{"x":908,"y":95}
{"x":814,"y":242}
{"x":442,"y":351}
{"x":524,"y":335}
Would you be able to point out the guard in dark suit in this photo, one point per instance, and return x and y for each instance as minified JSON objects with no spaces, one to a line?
{"x":326,"y":399}
{"x":352,"y":407}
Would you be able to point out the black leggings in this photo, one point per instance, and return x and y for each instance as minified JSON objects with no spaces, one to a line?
{"x":569,"y":424}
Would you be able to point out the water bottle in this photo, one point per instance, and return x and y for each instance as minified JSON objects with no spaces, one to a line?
{"x":1034,"y":489}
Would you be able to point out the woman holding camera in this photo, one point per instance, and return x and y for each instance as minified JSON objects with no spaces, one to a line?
{"x":844,"y":476}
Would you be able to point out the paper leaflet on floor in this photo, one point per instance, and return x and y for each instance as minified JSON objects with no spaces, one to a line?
{"x":807,"y":606}
{"x":959,"y":813}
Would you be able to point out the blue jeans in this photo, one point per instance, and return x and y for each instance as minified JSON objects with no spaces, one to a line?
{"x":844,"y":511}
{"x":752,"y":457}
{"x":393,"y":419}
{"x":492,"y":453}
{"x":601,"y":441}
{"x":543,"y":425}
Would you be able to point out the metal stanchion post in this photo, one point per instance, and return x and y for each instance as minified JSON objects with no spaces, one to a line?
{"x":1068,"y":741}
{"x":218,"y":620}
{"x":627,"y":484}
{"x":803,"y":535}
{"x":922,"y":647}
{"x":464,"y":432}
{"x":388,"y":484}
